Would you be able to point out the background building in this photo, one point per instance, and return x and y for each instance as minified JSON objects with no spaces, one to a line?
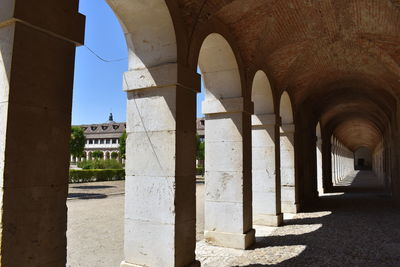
{"x":105,"y":137}
{"x":102,"y":137}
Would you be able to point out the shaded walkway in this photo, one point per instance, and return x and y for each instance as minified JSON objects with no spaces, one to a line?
{"x":363,"y":181}
{"x":358,"y":228}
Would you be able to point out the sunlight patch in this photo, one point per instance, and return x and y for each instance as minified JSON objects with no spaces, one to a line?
{"x":221,"y":257}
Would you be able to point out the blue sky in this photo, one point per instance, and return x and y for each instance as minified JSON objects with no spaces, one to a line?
{"x":98,"y":84}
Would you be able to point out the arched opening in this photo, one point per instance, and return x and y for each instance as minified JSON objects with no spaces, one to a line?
{"x":363,"y":158}
{"x":228,"y":220}
{"x":287,"y":159}
{"x":99,"y":68}
{"x":266,"y":189}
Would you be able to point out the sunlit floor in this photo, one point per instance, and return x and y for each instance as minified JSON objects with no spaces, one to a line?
{"x":359,"y":228}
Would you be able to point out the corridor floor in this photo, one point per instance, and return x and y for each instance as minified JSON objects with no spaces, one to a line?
{"x":359,"y":228}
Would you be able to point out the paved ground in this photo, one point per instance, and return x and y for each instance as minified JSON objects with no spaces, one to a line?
{"x":359,"y":228}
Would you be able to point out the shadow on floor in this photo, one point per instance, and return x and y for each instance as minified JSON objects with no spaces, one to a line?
{"x":93,"y":187}
{"x":85,"y":196}
{"x":360,"y":228}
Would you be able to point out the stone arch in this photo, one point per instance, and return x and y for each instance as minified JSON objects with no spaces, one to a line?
{"x":227,"y":125}
{"x":261,"y":94}
{"x":161,"y":93}
{"x":266,"y":193}
{"x":219,"y":68}
{"x":287,"y":153}
{"x":149,"y":30}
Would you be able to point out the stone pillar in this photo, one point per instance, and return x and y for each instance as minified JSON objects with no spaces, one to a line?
{"x":160,"y":199}
{"x":339,"y":163}
{"x":37,"y":55}
{"x":319,"y":165}
{"x":266,"y":183}
{"x":288,"y":174}
{"x":228,"y":197}
{"x":327,"y":164}
{"x":334,"y":162}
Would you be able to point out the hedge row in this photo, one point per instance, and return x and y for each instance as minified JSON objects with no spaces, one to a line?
{"x":199,"y":170}
{"x":83,"y":176}
{"x":108,"y":164}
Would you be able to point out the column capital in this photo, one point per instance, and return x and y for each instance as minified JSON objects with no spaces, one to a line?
{"x":260,"y":120}
{"x":165,"y":75}
{"x":227,"y":105}
{"x":70,"y":24}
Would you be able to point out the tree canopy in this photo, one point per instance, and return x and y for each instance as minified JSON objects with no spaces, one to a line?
{"x":200,"y":148}
{"x":77,"y":142}
{"x":122,"y":145}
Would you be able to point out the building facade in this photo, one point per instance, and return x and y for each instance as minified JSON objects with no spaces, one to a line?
{"x":105,"y":137}
{"x":102,"y":137}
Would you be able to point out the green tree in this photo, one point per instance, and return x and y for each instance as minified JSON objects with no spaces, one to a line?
{"x":200,"y":149}
{"x":97,"y":154}
{"x":77,"y":142}
{"x":122,"y":145}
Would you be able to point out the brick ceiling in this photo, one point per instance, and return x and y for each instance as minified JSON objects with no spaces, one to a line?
{"x":340,"y":54}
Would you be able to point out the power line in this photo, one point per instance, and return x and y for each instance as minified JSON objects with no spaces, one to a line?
{"x":102,"y":59}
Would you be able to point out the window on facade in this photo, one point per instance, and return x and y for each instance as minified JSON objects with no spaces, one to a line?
{"x":90,"y":141}
{"x":114,"y":140}
{"x":107,"y":141}
{"x":101,"y":141}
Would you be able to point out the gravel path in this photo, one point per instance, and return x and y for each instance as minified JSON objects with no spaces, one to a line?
{"x":358,"y":228}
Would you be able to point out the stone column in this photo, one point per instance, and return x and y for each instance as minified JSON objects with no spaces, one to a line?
{"x":339,"y":162}
{"x":327,"y":164}
{"x":160,"y":200}
{"x":288,"y":174}
{"x":37,"y":55}
{"x":228,"y":197}
{"x":334,"y":162}
{"x":319,"y":165}
{"x":266,"y":183}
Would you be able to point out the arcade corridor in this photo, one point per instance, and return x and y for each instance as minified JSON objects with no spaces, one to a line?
{"x":293,"y":89}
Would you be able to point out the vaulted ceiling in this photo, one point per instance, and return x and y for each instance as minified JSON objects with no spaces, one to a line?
{"x":341,"y":57}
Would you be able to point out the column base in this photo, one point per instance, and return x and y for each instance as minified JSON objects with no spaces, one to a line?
{"x":288,"y":207}
{"x":126,"y":264}
{"x":268,"y":219}
{"x":230,"y":240}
